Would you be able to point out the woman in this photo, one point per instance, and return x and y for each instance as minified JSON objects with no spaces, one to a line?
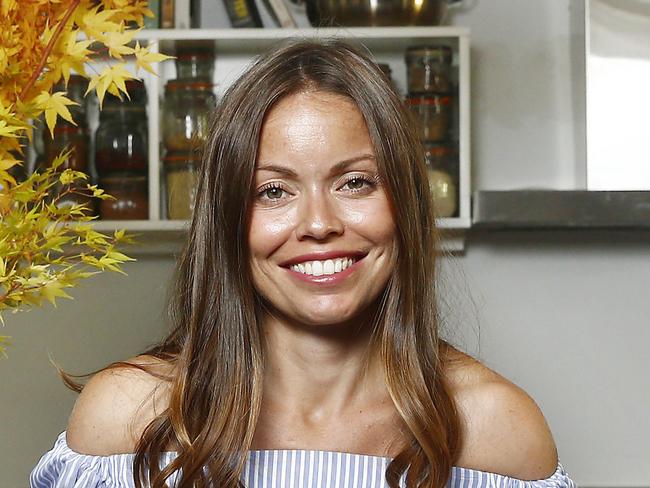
{"x":305,"y":350}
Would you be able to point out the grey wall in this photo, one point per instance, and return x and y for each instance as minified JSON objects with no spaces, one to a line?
{"x":112,"y":317}
{"x":566,"y":316}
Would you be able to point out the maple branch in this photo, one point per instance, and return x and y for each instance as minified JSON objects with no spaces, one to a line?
{"x":48,"y":49}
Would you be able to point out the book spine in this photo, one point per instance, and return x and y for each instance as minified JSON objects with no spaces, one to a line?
{"x":182,"y":14}
{"x":243,"y":13}
{"x":282,"y":14}
{"x":167,"y":14}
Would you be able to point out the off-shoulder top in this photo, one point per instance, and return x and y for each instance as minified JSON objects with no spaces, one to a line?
{"x":62,"y":467}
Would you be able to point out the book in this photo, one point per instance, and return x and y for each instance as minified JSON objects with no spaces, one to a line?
{"x":281,"y":13}
{"x":167,"y":14}
{"x":243,"y":13}
{"x":182,"y":14}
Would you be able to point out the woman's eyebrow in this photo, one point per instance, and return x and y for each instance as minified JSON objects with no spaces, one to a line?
{"x":337,"y":168}
{"x":275,"y":168}
{"x":342,"y":165}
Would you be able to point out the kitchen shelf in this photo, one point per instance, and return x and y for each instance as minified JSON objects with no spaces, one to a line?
{"x":234,"y":51}
{"x":561,"y":210}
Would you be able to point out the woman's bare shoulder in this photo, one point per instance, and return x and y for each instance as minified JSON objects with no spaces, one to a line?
{"x":116,"y":405}
{"x":504,"y":431}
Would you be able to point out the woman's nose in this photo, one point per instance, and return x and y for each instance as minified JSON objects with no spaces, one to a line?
{"x":318,"y":217}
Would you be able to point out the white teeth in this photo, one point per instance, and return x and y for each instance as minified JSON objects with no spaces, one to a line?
{"x":319,"y":268}
{"x":328,"y":267}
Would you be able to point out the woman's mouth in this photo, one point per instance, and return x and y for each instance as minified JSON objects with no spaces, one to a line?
{"x":324,"y":267}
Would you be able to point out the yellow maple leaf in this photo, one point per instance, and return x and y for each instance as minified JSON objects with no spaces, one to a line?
{"x":143,"y":58}
{"x":95,"y":22}
{"x":74,"y":56}
{"x":111,"y":80}
{"x":7,"y":130}
{"x":52,"y":289}
{"x":54,"y":104}
{"x":116,"y":42}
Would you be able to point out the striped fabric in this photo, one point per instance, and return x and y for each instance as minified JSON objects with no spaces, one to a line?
{"x":63,"y":468}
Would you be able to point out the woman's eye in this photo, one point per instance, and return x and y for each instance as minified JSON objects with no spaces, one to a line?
{"x":273,"y":193}
{"x":357,"y":183}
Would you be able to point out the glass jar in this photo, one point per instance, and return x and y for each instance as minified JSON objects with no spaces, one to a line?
{"x":195,"y":60}
{"x":131,"y":197}
{"x":428,"y":69}
{"x":187,"y":113}
{"x":445,"y":194}
{"x":181,"y":181}
{"x":440,"y":155}
{"x":195,"y":66}
{"x":67,"y":137}
{"x":121,"y":138}
{"x":433,"y":113}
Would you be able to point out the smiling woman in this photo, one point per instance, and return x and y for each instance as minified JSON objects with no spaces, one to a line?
{"x":305,"y":348}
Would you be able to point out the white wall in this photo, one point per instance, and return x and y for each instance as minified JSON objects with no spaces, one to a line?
{"x":566,"y":316}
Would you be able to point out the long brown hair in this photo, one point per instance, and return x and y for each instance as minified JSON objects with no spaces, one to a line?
{"x":216,"y":343}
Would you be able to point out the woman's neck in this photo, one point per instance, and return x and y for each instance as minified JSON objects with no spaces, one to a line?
{"x":319,"y":372}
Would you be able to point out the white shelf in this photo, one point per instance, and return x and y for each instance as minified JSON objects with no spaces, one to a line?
{"x":391,"y":33}
{"x":235,"y":48}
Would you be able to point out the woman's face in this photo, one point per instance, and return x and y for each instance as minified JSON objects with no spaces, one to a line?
{"x":322,"y":235}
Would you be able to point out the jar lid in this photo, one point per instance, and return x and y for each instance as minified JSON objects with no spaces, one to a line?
{"x":69,"y":128}
{"x":199,"y":46}
{"x":189,"y":55}
{"x":136,"y":90}
{"x":438,"y":149}
{"x":118,"y":179}
{"x":444,"y":53}
{"x":430,"y":99}
{"x":173,"y":85}
{"x":126,"y":106}
{"x":181,"y":158}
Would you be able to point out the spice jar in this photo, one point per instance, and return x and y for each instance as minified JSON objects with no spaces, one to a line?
{"x":433,"y":113}
{"x":444,"y":193}
{"x":195,"y":66}
{"x":131,"y":197}
{"x":121,"y":138}
{"x":186,"y":115}
{"x":442,"y":164}
{"x":195,"y":60}
{"x":439,"y":155}
{"x":181,"y":181}
{"x":428,"y":69}
{"x":67,"y":137}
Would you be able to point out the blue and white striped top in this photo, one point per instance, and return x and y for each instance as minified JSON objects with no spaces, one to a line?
{"x":63,"y":468}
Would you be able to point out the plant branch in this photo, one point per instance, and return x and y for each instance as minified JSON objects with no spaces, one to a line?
{"x":50,"y":45}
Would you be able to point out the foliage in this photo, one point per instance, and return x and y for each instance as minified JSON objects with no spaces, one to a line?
{"x":46,"y":247}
